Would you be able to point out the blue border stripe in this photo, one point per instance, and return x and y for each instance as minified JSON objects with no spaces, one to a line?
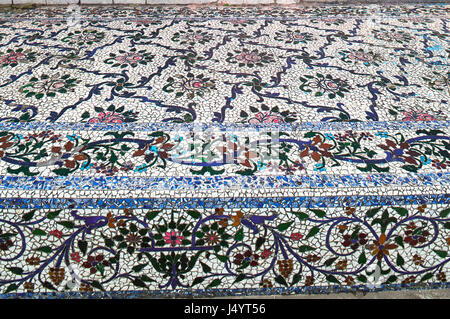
{"x":226,"y":292}
{"x":224,"y":202}
{"x":306,"y":126}
{"x":220,"y":182}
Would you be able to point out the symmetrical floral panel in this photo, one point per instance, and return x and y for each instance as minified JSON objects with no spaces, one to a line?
{"x":177,"y":151}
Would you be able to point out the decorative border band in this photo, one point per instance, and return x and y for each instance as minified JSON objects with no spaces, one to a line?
{"x":225,"y":202}
{"x":150,"y":127}
{"x":196,"y":293}
{"x":219,"y":182}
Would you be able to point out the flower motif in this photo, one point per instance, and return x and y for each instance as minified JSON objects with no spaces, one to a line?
{"x":400,"y":151}
{"x":49,"y":85}
{"x":417,"y":260}
{"x":232,"y":152}
{"x":285,"y":267}
{"x":265,"y":118}
{"x":266,"y":254}
{"x":88,"y":37}
{"x":417,"y":116}
{"x":415,"y":235}
{"x":392,"y":35}
{"x":190,"y":84}
{"x":355,"y":240}
{"x":296,"y":236}
{"x":132,"y":58}
{"x":250,"y":58}
{"x":96,"y":263}
{"x":212,"y":238}
{"x":223,"y":221}
{"x":360,"y":56}
{"x":5,"y":242}
{"x":342,"y":264}
{"x":14,"y":57}
{"x":75,"y":257}
{"x":56,"y":233}
{"x":132,"y":237}
{"x":237,"y":218}
{"x":324,"y":85}
{"x":294,"y":37}
{"x":380,"y":248}
{"x":317,"y":149}
{"x":439,"y":81}
{"x":108,"y":117}
{"x":34,"y":261}
{"x":247,"y":257}
{"x":111,"y":220}
{"x":192,"y":37}
{"x":173,"y":238}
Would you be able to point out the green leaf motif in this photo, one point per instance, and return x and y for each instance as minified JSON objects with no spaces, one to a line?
{"x":444,"y":213}
{"x":216,"y":282}
{"x":362,"y":258}
{"x":151,"y":215}
{"x":97,"y":285}
{"x":11,"y":287}
{"x":313,"y":232}
{"x":400,"y":210}
{"x":139,"y":283}
{"x":319,"y":213}
{"x":239,"y":235}
{"x":239,"y":278}
{"x":440,"y":253}
{"x":15,"y":270}
{"x":371,"y":212}
{"x":28,"y":216}
{"x":82,"y":245}
{"x":284,"y":226}
{"x":39,"y":232}
{"x":205,"y":267}
{"x":197,"y":281}
{"x":53,"y":214}
{"x":332,"y":278}
{"x":67,"y":224}
{"x":305,"y":248}
{"x":193,"y":213}
{"x":426,"y":277}
{"x":301,"y":215}
{"x":44,"y":249}
{"x":138,"y":268}
{"x":280,"y":279}
{"x":362,"y":278}
{"x":400,"y":261}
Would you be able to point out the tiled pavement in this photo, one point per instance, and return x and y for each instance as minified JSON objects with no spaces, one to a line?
{"x":176,"y":151}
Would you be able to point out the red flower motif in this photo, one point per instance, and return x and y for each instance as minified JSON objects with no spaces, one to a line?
{"x":75,"y":257}
{"x":108,"y":117}
{"x":56,"y":233}
{"x":296,"y":236}
{"x":173,"y":238}
{"x":266,"y":118}
{"x":417,"y":116}
{"x":266,"y":254}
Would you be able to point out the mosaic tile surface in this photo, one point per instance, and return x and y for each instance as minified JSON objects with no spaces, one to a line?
{"x":173,"y":151}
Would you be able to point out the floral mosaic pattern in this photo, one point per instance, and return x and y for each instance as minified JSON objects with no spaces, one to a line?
{"x":270,"y":247}
{"x":171,"y":150}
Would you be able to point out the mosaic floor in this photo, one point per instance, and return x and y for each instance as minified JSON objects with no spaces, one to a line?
{"x":176,"y":151}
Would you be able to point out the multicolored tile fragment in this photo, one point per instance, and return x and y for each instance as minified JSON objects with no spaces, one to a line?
{"x":174,"y":151}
